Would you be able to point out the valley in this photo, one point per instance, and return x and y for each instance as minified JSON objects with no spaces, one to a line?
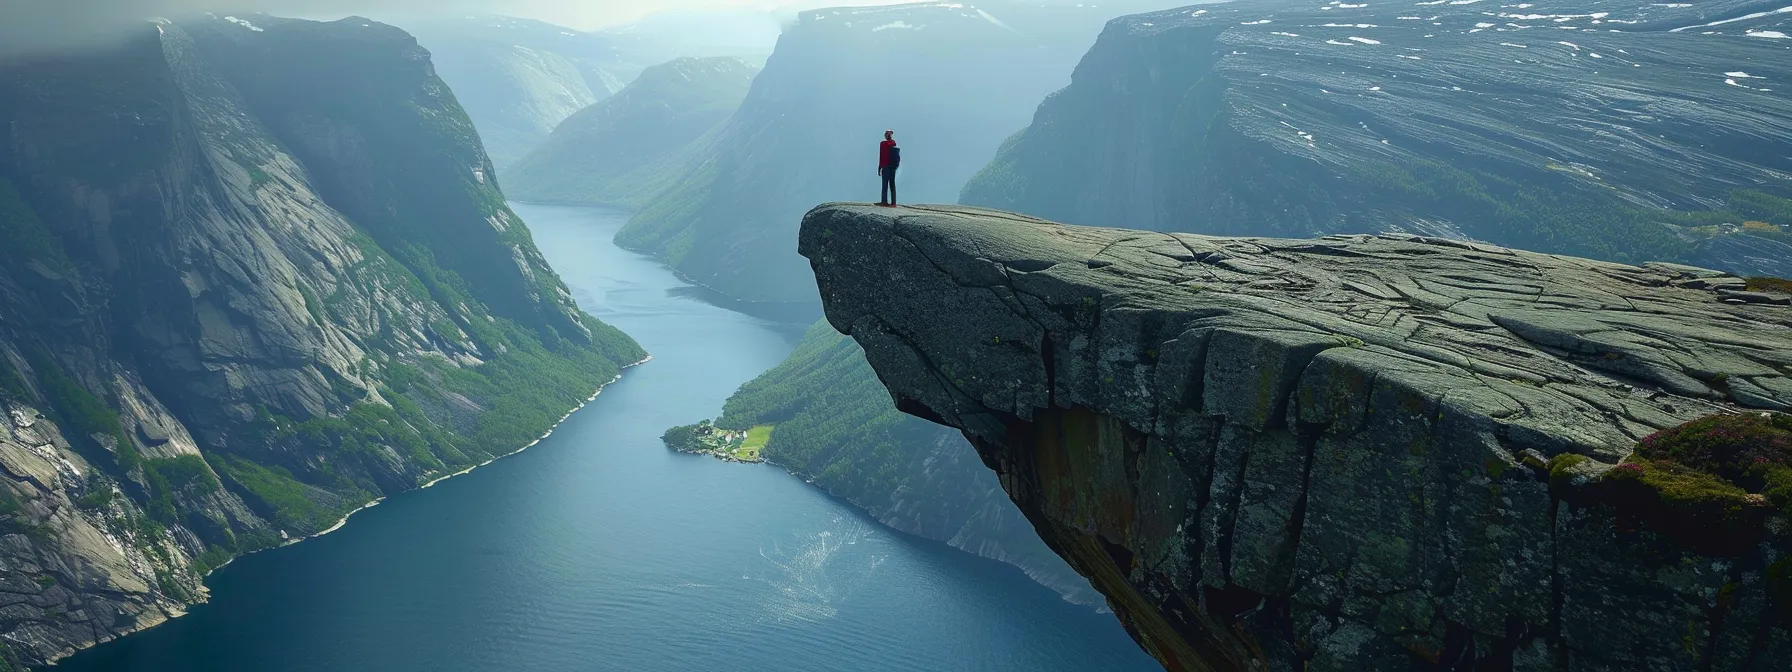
{"x":598,"y":549}
{"x":223,"y":333}
{"x":1256,"y":335}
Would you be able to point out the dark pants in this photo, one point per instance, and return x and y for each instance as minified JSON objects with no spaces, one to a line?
{"x":888,"y":194}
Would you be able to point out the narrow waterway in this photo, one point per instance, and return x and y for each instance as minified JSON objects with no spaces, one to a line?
{"x":600,"y":550}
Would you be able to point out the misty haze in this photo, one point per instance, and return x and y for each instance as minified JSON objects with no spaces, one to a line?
{"x":467,"y":335}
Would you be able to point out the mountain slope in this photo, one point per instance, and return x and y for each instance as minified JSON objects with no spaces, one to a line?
{"x":621,"y":151}
{"x":519,"y":78}
{"x":809,"y":128}
{"x":837,"y":429}
{"x":1567,"y":126}
{"x":233,"y":309}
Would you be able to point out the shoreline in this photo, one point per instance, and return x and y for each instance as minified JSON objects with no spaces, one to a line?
{"x":342,"y":522}
{"x":719,"y":456}
{"x":376,"y":501}
{"x":176,"y":610}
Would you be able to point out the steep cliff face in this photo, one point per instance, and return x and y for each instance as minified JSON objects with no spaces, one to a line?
{"x":1350,"y":453}
{"x":836,"y":428}
{"x":951,"y":79}
{"x":624,"y":150}
{"x":1566,"y":126}
{"x":233,"y":308}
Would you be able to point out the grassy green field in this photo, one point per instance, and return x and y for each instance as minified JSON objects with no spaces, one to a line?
{"x":756,"y":440}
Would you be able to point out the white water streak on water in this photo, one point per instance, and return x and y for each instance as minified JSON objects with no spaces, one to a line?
{"x":810,"y":577}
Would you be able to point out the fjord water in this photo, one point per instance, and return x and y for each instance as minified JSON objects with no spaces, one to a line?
{"x":598,"y":549}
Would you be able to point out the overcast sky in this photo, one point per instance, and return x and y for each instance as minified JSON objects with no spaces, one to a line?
{"x":35,"y":24}
{"x":577,"y":13}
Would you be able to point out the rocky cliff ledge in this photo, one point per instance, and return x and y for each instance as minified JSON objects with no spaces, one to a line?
{"x":1336,"y":454}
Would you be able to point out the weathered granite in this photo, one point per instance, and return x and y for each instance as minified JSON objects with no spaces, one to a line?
{"x":1326,"y":454}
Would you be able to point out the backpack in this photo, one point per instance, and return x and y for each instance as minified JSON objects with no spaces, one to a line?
{"x":895,"y":157}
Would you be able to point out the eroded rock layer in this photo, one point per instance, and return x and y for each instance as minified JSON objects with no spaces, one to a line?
{"x":1330,"y":454}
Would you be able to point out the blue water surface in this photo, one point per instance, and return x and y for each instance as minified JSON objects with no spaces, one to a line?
{"x":598,"y":549}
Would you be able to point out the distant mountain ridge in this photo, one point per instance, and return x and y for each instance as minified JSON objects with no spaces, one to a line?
{"x":951,"y":79}
{"x":622,"y":151}
{"x":519,"y":78}
{"x":257,"y":273}
{"x":1565,"y":126}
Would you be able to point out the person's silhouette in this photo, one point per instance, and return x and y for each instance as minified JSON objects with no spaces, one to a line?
{"x":888,"y":158}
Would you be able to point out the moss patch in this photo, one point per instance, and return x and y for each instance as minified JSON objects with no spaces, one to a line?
{"x":1752,"y":451}
{"x":1777,"y":285}
{"x":1561,"y":470}
{"x":1712,"y":482}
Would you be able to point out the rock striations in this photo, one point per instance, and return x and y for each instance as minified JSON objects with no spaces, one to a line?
{"x":1332,"y":454}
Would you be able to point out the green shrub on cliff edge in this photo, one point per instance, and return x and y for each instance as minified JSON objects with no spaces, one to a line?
{"x":1780,"y":285}
{"x":1712,"y":482}
{"x":1715,"y":484}
{"x":1752,"y":451}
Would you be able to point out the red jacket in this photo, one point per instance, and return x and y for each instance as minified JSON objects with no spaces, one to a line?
{"x":883,"y":153}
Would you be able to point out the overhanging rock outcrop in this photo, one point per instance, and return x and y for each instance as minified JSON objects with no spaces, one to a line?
{"x":1329,"y":454}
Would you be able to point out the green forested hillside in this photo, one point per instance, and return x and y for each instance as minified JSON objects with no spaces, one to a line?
{"x":620,"y":152}
{"x":258,"y":275}
{"x":837,"y":428}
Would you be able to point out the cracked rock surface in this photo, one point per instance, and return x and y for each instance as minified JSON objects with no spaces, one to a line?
{"x":1325,"y":454}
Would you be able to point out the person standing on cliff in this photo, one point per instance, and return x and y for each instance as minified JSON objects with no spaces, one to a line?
{"x":888,"y":158}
